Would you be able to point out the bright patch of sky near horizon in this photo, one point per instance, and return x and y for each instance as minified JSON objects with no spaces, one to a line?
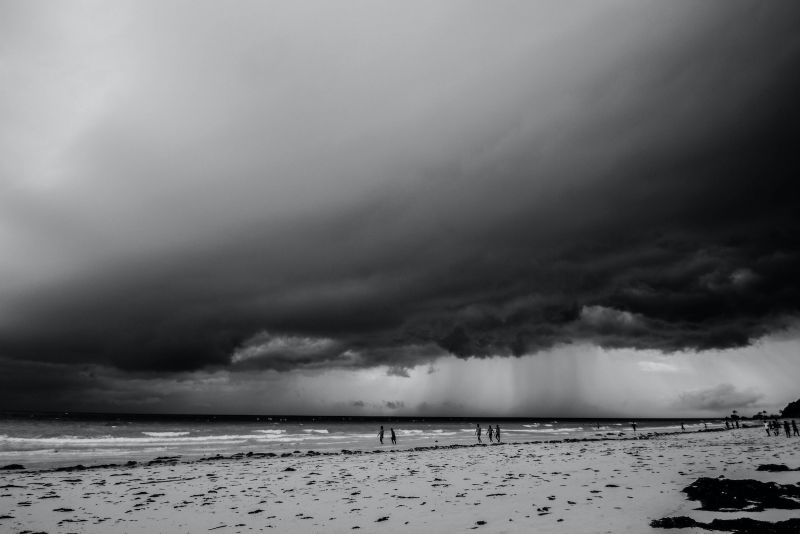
{"x":574,"y":381}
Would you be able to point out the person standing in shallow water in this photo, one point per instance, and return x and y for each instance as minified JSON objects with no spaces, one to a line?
{"x":380,"y":434}
{"x":490,"y":432}
{"x":394,"y":438}
{"x":497,"y":432}
{"x":633,"y":424}
{"x":478,"y":432}
{"x":683,"y":428}
{"x":794,"y":428}
{"x":786,"y":429}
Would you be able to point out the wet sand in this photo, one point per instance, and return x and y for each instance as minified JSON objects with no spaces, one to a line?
{"x":576,"y":487}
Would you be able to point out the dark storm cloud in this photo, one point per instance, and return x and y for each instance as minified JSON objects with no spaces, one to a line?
{"x":629,"y":180}
{"x":28,"y":385}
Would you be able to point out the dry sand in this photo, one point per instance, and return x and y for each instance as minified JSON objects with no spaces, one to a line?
{"x":593,"y":486}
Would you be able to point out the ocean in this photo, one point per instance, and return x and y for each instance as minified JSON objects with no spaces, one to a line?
{"x":39,"y":440}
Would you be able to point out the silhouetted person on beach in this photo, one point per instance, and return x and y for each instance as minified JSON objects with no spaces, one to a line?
{"x":683,"y":428}
{"x":794,"y":428}
{"x":786,"y":429}
{"x":490,"y":432}
{"x":766,"y":427}
{"x":478,"y":432}
{"x":727,"y":426}
{"x":705,"y":426}
{"x":394,"y":438}
{"x":380,"y":434}
{"x":737,"y":423}
{"x":497,"y":432}
{"x":633,"y":424}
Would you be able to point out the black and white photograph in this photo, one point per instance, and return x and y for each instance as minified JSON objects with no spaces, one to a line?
{"x":401,"y":267}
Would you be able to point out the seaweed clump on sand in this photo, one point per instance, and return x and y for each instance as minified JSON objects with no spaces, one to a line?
{"x":725,"y":495}
{"x":775,"y":468}
{"x":741,"y":525}
{"x":722,"y":494}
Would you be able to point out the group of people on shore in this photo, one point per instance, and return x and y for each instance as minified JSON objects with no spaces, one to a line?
{"x":731,"y":423}
{"x":493,"y":433}
{"x":393,"y":435}
{"x":773,"y":428}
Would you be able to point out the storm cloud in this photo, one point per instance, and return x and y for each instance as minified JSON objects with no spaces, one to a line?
{"x":278,"y":187}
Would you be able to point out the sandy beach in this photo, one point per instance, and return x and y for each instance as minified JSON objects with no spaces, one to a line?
{"x":581,"y":486}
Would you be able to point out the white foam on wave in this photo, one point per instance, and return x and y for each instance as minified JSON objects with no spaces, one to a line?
{"x":542,"y":430}
{"x":272,"y":431}
{"x":75,"y":441}
{"x":315,"y":430}
{"x":165,"y":434}
{"x":298,"y":438}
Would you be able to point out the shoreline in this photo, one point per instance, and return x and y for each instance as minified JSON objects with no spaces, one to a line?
{"x":356,"y":451}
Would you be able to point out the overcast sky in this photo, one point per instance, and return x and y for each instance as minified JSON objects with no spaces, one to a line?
{"x":515,"y":208}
